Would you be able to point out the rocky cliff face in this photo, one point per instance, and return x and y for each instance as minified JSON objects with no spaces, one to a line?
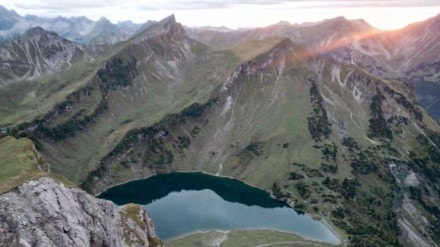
{"x":44,"y":212}
{"x":39,"y":52}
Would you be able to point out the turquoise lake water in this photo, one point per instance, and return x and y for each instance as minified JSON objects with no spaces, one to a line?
{"x":182,"y":203}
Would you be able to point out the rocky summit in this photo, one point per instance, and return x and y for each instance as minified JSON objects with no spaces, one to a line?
{"x":44,"y":212}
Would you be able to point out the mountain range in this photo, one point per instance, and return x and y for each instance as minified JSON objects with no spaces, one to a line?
{"x":335,"y":116}
{"x":78,"y":29}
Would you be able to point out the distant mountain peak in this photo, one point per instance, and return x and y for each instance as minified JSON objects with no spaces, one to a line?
{"x":103,"y":19}
{"x":170,"y":19}
{"x":168,"y":22}
{"x":166,"y":25}
{"x":7,"y":18}
{"x":283,"y":23}
{"x":4,"y":10}
{"x":36,"y":31}
{"x":340,"y":22}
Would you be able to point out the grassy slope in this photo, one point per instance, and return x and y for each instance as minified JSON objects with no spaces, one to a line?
{"x":144,"y":104}
{"x":26,"y":100}
{"x":242,"y":238}
{"x":21,"y":162}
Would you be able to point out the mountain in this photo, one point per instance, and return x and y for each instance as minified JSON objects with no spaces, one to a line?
{"x":105,"y":32}
{"x":7,"y":18}
{"x":78,"y":29}
{"x":38,"y":209}
{"x":336,"y":30}
{"x":407,"y":54}
{"x":39,"y":52}
{"x":280,"y":107}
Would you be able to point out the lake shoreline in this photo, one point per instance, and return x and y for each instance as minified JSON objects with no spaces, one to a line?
{"x":287,"y":201}
{"x":251,"y":230}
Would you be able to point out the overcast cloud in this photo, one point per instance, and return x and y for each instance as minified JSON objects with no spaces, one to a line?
{"x":386,"y":14}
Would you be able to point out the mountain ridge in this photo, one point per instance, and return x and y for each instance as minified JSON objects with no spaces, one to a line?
{"x":405,"y":54}
{"x":78,"y":29}
{"x":333,"y":136}
{"x":39,"y":52}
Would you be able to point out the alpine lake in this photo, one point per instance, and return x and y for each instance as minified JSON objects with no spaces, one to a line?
{"x":182,"y":203}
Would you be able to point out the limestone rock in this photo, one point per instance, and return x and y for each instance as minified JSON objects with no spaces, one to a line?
{"x":44,"y":212}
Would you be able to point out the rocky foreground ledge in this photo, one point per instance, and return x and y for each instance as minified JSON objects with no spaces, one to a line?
{"x":43,"y":212}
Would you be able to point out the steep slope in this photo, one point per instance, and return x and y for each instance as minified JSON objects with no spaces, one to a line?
{"x":157,"y":72}
{"x":419,"y":44}
{"x":37,"y":209}
{"x":408,"y":54}
{"x":37,"y":53}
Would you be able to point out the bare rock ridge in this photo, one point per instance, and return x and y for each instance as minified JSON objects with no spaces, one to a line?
{"x":44,"y":212}
{"x":39,"y":52}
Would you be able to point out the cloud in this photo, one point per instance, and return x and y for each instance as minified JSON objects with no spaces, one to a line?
{"x":204,"y":4}
{"x":152,"y":5}
{"x":60,"y":4}
{"x":234,"y":13}
{"x":221,"y":4}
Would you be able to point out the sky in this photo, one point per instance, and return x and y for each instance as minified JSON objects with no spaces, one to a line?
{"x":383,"y":14}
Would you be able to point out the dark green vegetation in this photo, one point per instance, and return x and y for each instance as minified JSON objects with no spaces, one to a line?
{"x":311,"y":130}
{"x":319,"y":125}
{"x":161,"y":142}
{"x":118,"y":72}
{"x":366,"y":214}
{"x":378,"y":125}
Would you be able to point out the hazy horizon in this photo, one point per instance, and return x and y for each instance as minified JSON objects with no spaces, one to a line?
{"x":382,"y":14}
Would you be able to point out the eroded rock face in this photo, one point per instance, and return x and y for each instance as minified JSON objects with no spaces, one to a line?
{"x":44,"y":212}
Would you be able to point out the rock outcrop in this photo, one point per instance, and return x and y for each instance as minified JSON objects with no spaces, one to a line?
{"x":44,"y":212}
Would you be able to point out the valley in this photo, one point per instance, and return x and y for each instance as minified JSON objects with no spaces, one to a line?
{"x":343,"y":125}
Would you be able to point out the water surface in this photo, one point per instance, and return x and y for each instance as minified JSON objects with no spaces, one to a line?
{"x":183,"y":203}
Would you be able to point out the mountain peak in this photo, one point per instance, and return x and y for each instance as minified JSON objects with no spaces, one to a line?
{"x":342,"y":23}
{"x":35,"y":31}
{"x":170,"y":19}
{"x":7,"y":18}
{"x":168,"y":22}
{"x":5,"y":11}
{"x":337,"y":20}
{"x":104,"y":19}
{"x":283,"y":23}
{"x":166,"y":25}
